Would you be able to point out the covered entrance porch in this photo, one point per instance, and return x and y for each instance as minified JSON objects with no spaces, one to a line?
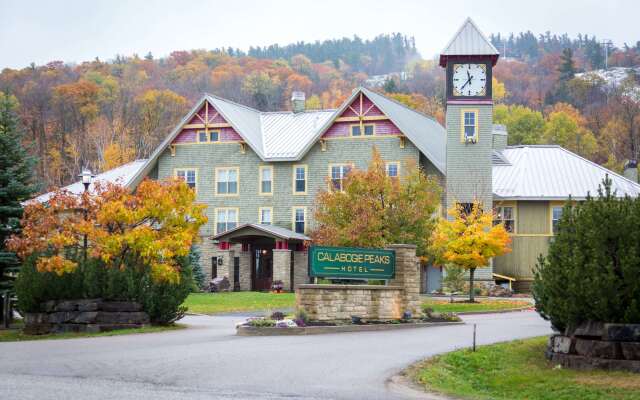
{"x":254,"y":256}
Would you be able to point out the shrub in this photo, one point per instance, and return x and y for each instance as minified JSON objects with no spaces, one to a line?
{"x":302,"y":315}
{"x":161,"y":300}
{"x":592,"y":270}
{"x":454,"y":279}
{"x":277,"y":315}
{"x":262,"y":323}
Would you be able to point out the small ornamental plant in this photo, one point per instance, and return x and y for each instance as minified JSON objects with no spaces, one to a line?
{"x":277,"y":286}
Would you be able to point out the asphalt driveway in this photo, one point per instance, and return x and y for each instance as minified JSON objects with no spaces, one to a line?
{"x":208,"y":361}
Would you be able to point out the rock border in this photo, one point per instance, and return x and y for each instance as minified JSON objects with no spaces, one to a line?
{"x":318,"y":330}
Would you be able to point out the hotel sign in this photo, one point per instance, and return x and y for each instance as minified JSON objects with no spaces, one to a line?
{"x":351,"y":263}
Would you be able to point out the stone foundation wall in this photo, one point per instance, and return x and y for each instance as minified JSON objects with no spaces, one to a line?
{"x":282,"y":267}
{"x":340,"y":302}
{"x":597,"y":345}
{"x":300,"y":268}
{"x":86,"y":315}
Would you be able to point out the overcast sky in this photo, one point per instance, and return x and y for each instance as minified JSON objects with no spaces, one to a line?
{"x":80,"y":30}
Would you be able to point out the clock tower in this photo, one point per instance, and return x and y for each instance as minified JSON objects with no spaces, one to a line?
{"x":468,"y":59}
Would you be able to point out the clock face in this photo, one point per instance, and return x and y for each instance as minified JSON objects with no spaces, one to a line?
{"x":469,"y":80}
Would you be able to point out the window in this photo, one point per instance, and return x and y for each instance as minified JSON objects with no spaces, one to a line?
{"x":226,"y":181}
{"x":393,"y":169}
{"x":226,"y":219}
{"x":356,"y":130}
{"x":202,"y":136}
{"x":299,"y":219}
{"x":338,"y":173}
{"x":265,"y":215}
{"x":266,"y":180}
{"x":299,"y":179}
{"x":470,"y":125}
{"x":556,"y":214}
{"x":505,"y":216}
{"x":187,"y":175}
{"x":211,"y":136}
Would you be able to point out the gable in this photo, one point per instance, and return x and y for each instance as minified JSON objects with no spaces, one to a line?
{"x":361,"y":108}
{"x":207,"y":117}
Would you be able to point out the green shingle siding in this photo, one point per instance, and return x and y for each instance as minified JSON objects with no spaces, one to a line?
{"x":206,"y":157}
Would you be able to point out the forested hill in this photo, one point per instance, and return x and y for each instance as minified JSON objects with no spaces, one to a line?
{"x":382,"y":55}
{"x":105,"y":113}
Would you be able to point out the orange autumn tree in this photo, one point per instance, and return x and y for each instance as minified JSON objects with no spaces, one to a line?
{"x":150,"y":228}
{"x":468,"y":239}
{"x":374,"y":210}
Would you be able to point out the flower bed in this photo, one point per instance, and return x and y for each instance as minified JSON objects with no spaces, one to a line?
{"x":278,"y":324}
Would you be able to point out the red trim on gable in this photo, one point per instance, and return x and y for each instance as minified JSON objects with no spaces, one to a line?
{"x":188,"y":135}
{"x":342,"y":129}
{"x":368,"y":108}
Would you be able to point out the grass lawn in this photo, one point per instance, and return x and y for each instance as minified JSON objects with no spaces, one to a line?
{"x":482,"y":305}
{"x":518,"y":370}
{"x":215,"y":303}
{"x":16,"y":335}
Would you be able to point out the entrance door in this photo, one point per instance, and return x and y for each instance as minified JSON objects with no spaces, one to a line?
{"x":434,"y":278}
{"x":263,"y":269}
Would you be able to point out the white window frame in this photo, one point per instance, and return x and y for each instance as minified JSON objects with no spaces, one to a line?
{"x":341,"y":165}
{"x":294,"y":221}
{"x":185,"y":171}
{"x":207,"y":134}
{"x":390,"y":163}
{"x":260,"y":180}
{"x":295,"y":180}
{"x":499,"y":216}
{"x":226,"y":211}
{"x":217,"y":180}
{"x":261,"y":210}
{"x":463,"y":135}
{"x":553,"y":221}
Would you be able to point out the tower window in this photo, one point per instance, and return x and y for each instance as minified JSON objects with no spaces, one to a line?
{"x":470,"y":126}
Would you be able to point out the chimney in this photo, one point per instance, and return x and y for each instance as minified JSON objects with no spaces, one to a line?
{"x":297,"y":101}
{"x":500,"y":137}
{"x":631,"y":170}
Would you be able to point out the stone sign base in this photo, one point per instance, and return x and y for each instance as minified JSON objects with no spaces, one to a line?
{"x":374,"y":302}
{"x":86,"y":315}
{"x":597,"y":345}
{"x":340,"y":302}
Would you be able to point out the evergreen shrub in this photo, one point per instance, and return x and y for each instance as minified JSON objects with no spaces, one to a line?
{"x":592,"y":270}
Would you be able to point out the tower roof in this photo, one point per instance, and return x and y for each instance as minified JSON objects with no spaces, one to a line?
{"x":468,"y":41}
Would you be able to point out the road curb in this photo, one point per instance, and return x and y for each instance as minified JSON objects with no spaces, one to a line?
{"x":404,"y":386}
{"x":496,"y":312}
{"x":318,"y":330}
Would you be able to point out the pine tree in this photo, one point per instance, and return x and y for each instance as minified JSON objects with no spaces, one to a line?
{"x":198,"y":274}
{"x":16,"y":185}
{"x":567,"y":69}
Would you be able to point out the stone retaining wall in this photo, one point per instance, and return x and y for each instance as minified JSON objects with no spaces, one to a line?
{"x":598,"y":345}
{"x":340,"y":302}
{"x":86,"y":315}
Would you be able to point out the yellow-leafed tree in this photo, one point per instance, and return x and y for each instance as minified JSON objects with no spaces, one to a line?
{"x":468,"y":239}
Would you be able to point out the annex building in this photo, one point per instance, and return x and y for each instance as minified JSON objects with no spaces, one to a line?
{"x":259,"y":172}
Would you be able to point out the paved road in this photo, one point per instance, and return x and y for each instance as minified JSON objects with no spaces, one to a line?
{"x":208,"y":362}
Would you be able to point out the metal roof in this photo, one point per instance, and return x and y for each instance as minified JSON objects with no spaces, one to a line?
{"x":548,"y":172}
{"x":288,"y":136}
{"x":121,"y":175}
{"x":468,"y":41}
{"x":271,"y":230}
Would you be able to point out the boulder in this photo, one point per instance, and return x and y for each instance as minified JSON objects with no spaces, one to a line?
{"x":37,"y":329}
{"x":48,"y":306}
{"x":36,"y":318}
{"x":561,"y":344}
{"x":62,"y":316}
{"x":589,"y":329}
{"x":219,"y":284}
{"x":598,"y":349}
{"x":67,"y":305}
{"x":138,"y":317}
{"x":499,"y":291}
{"x":121,"y":306}
{"x":630,"y":350}
{"x":622,"y":332}
{"x":89,"y":304}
